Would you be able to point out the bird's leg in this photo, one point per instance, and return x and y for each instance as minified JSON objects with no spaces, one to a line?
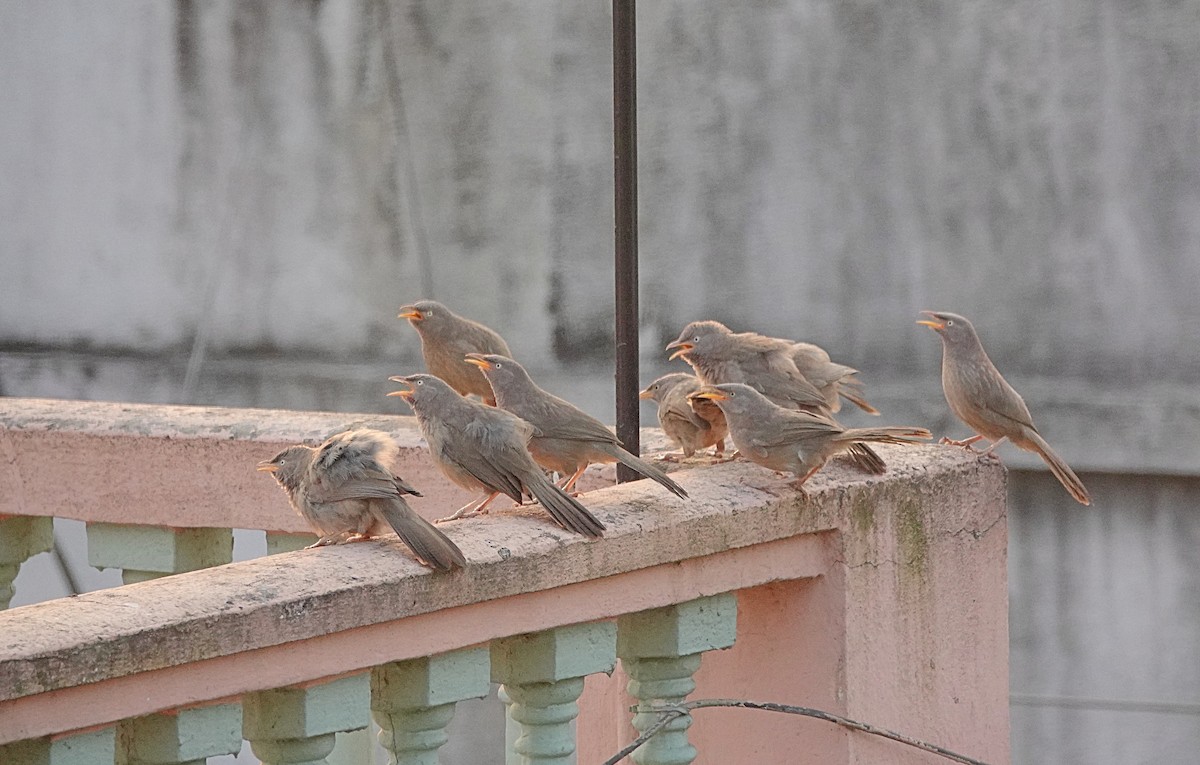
{"x":719,"y":448}
{"x":358,"y":536}
{"x":965,"y":443}
{"x":474,"y":507}
{"x":569,"y":487}
{"x":798,"y":484}
{"x":328,"y":539}
{"x":988,"y":452}
{"x":483,"y":507}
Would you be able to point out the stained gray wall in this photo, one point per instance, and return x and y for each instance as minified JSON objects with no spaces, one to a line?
{"x":225,"y":202}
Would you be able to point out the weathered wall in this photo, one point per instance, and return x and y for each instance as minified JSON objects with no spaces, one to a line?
{"x":262,"y":174}
{"x":204,"y":182}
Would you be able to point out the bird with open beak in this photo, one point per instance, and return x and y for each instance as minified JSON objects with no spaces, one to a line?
{"x":566,"y":438}
{"x":445,"y":338}
{"x":692,"y":423}
{"x":482,"y":448}
{"x":767,"y":364}
{"x":980,"y":396}
{"x":347,"y":487}
{"x":790,"y":440}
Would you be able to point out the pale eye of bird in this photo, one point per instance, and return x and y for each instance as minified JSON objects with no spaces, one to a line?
{"x":696,"y":339}
{"x":420,"y":382}
{"x":429,"y":313}
{"x":949,"y":322}
{"x":498,"y":365}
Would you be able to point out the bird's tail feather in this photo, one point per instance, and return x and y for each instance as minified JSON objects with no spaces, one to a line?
{"x":851,"y":390}
{"x":645,"y":468}
{"x":564,"y":508}
{"x":1061,"y":470}
{"x":425,"y":540}
{"x":863,"y":456}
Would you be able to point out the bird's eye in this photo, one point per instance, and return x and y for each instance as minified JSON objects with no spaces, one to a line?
{"x":498,"y":365}
{"x":949,"y":322}
{"x":696,"y":339}
{"x":429,"y":313}
{"x":420,"y":382}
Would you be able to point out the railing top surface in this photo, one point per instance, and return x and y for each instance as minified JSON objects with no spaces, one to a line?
{"x":184,"y":466}
{"x":307,"y":594}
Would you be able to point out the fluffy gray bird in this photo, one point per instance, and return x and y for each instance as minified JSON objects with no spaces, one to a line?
{"x":482,"y":448}
{"x":796,"y":441}
{"x":567,"y":439}
{"x":446,"y":338}
{"x":767,"y":364}
{"x":693,"y":424}
{"x":983,"y":399}
{"x":347,"y":486}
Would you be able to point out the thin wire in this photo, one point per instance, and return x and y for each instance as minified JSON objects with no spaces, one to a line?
{"x":668,"y":713}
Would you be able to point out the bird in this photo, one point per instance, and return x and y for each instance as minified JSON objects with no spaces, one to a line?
{"x":835,"y":381}
{"x":567,"y":439}
{"x":347,"y":485}
{"x":718,"y":355}
{"x":445,"y":338}
{"x":767,"y":364}
{"x":791,"y":440}
{"x":980,"y":396}
{"x":483,"y":448}
{"x":692,"y":423}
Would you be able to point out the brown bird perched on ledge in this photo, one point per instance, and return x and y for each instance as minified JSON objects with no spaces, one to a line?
{"x":446,"y":338}
{"x":693,"y":424}
{"x":347,"y":486}
{"x":484,"y":449}
{"x":566,"y":438}
{"x":835,"y":381}
{"x":983,"y":399}
{"x":767,"y":364}
{"x":798,"y":442}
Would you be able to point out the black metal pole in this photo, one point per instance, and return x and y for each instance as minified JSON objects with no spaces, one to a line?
{"x":625,"y":225}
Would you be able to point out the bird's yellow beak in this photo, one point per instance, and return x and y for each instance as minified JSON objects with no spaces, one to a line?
{"x":711,"y":395}
{"x":266,"y":466}
{"x":408,"y":312}
{"x":478,"y":360}
{"x":932,"y":324}
{"x":404,"y":394}
{"x":683,"y":348}
{"x":645,"y":394}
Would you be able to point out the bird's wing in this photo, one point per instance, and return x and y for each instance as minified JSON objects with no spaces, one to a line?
{"x":682,"y":412}
{"x":558,"y":418}
{"x":487,"y":450}
{"x":791,"y":427}
{"x":365,"y":484}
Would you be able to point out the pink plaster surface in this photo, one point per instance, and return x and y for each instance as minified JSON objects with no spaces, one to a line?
{"x":185,"y":466}
{"x":881,"y":597}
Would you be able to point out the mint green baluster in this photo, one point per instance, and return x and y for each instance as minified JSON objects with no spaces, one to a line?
{"x":660,"y":650}
{"x":543,"y":675}
{"x":21,"y":538}
{"x":413,"y":701}
{"x":298,"y":726}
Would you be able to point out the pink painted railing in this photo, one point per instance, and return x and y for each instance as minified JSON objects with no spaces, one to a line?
{"x":878,"y":598}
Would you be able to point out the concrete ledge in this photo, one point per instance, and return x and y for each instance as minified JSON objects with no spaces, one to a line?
{"x":184,"y":466}
{"x":312,"y":600}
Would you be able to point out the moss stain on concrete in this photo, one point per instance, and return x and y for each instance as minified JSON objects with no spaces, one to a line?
{"x":913,"y":541}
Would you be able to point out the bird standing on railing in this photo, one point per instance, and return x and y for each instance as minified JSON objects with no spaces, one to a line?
{"x":791,"y":440}
{"x":693,"y":424}
{"x":567,"y":439}
{"x":983,"y":399}
{"x":767,"y":364}
{"x":347,"y":486}
{"x":446,"y":338}
{"x":482,"y":448}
